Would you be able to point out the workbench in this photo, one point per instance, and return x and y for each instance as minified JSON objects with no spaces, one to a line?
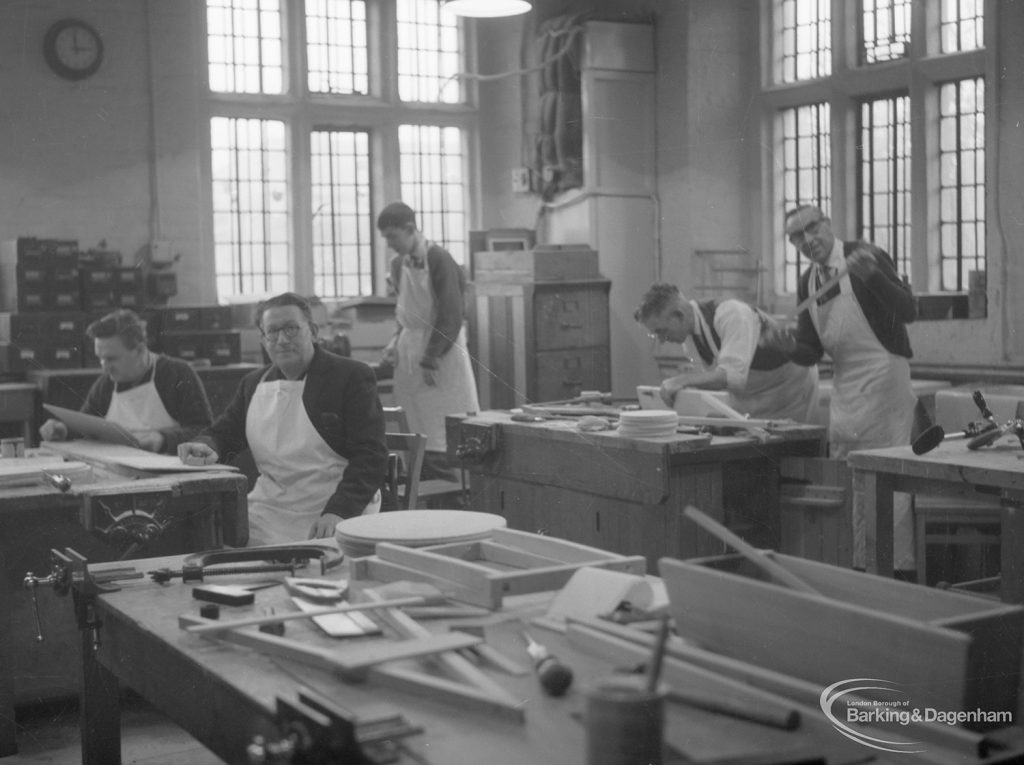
{"x":993,"y":473}
{"x":195,"y":511}
{"x":225,"y":694}
{"x":621,"y":494}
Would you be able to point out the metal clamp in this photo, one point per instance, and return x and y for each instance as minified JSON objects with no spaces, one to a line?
{"x":69,"y":572}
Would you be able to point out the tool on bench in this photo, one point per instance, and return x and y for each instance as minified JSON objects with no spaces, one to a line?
{"x":267,"y":559}
{"x":555,"y":677}
{"x":69,"y":572}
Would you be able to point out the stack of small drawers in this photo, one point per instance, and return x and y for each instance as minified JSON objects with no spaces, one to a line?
{"x":41,"y":321}
{"x":200,"y":332}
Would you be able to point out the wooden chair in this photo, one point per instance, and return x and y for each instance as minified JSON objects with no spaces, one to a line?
{"x":433,"y":492}
{"x":395,"y":420}
{"x":405,"y":461}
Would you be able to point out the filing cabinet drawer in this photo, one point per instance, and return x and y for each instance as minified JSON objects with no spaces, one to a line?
{"x":571,"y":318}
{"x":563,"y":374}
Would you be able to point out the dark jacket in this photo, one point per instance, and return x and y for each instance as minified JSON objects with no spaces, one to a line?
{"x":342,"y":403}
{"x":888,"y":305}
{"x":180,"y":390}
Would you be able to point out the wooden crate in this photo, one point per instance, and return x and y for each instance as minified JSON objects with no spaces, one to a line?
{"x":948,"y":651}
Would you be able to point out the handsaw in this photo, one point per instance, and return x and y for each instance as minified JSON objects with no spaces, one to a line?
{"x":821,"y":290}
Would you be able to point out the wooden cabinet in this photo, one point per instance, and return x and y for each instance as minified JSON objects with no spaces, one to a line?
{"x":540,"y":341}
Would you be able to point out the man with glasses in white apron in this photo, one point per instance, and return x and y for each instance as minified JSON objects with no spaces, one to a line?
{"x":159,"y":399}
{"x":433,"y":374}
{"x":861,"y":325}
{"x":315,"y":427}
{"x":726,"y":334}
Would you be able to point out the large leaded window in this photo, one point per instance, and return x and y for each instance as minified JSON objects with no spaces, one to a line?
{"x":885,"y":133}
{"x":323,"y":111}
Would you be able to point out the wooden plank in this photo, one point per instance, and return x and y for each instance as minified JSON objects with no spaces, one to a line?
{"x":441,"y":688}
{"x":766,"y":564}
{"x":376,"y":569}
{"x":830,"y":642}
{"x":205,"y":627}
{"x":559,"y":549}
{"x":695,"y":685}
{"x":457,"y":667}
{"x":804,"y":693}
{"x":350,"y":662}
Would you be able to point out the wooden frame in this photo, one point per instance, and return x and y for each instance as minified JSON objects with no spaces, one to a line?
{"x":483,"y":572}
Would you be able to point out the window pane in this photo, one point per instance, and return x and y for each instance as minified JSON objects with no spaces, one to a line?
{"x":884,"y":176}
{"x":250,"y":206}
{"x":432,"y":175}
{"x":342,"y":237}
{"x":429,"y":53}
{"x":806,"y":171}
{"x":886,"y":25}
{"x":244,"y":46}
{"x":961,"y":182}
{"x":336,"y":46}
{"x":962,"y":25}
{"x":803,"y":32}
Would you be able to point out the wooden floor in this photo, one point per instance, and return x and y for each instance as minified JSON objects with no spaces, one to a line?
{"x":49,"y":734}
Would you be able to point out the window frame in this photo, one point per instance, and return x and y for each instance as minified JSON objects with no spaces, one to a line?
{"x":919,"y":74}
{"x":379,"y":113}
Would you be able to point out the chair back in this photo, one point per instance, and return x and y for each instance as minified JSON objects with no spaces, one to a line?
{"x":395,"y":420}
{"x":405,"y":463}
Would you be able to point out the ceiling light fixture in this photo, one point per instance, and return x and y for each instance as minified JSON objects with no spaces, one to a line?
{"x":487,"y":9}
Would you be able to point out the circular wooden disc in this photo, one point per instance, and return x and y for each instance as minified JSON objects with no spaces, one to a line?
{"x":417,"y":528}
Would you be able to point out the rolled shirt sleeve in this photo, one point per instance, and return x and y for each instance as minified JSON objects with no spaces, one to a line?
{"x":739,"y":329}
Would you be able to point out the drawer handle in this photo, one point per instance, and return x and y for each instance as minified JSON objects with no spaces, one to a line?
{"x":570,"y":325}
{"x":572,"y":383}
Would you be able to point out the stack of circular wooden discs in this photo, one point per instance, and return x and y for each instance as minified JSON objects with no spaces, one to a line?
{"x":358,"y":537}
{"x":648,"y":423}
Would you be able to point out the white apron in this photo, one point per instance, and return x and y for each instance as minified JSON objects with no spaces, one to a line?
{"x":299,"y":471}
{"x":872,"y":405}
{"x":454,"y":391}
{"x":140,"y":408}
{"x":787,"y":392}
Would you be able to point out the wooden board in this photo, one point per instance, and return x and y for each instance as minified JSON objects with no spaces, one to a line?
{"x":719,"y":603}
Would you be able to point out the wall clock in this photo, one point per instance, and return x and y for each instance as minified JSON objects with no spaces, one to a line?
{"x":73,"y":49}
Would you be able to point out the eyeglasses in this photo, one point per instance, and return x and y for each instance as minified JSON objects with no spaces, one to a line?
{"x":811,"y":229}
{"x":290,"y":332}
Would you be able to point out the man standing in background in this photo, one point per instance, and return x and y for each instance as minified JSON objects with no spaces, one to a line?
{"x":433,"y":375}
{"x":861,"y":323}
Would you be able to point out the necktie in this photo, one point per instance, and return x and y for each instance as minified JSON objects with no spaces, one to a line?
{"x":827,"y":272}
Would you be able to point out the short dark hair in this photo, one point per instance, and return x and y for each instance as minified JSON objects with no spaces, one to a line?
{"x":285,"y":298}
{"x":396,"y":215}
{"x":801,"y":208}
{"x":122,"y":323}
{"x":659,"y":297}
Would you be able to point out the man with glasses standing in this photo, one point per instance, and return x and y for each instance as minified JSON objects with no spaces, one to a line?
{"x":861,"y":324}
{"x":726,"y":335}
{"x":315,"y":427}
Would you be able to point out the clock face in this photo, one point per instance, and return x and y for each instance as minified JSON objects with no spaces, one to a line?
{"x":73,"y":49}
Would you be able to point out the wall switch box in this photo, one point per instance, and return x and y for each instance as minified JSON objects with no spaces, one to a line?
{"x":521,"y":179}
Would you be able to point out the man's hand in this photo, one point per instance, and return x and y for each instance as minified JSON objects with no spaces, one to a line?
{"x":429,"y":376}
{"x":194,"y":453}
{"x":389,"y":355}
{"x":323,"y":528}
{"x":150,"y":440}
{"x":862,"y":264}
{"x":670,"y":387}
{"x":53,"y":430}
